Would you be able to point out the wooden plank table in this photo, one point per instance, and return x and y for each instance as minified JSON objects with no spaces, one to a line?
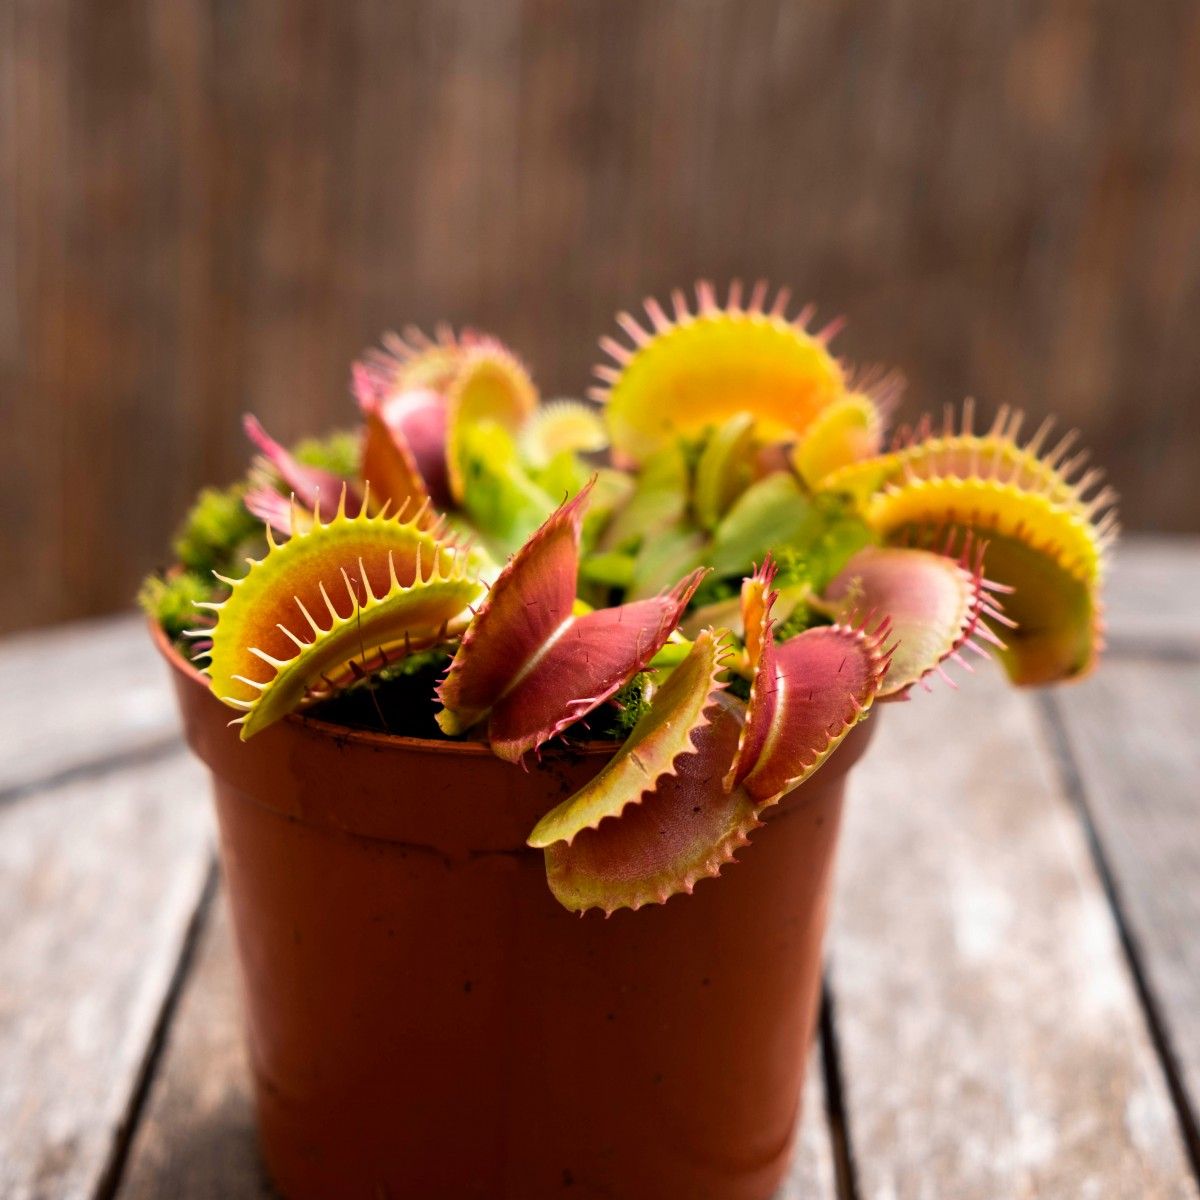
{"x":1013,"y":1001}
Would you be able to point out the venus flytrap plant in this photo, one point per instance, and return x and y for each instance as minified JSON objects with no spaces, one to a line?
{"x":319,"y":600}
{"x":1047,"y":528}
{"x":530,"y":664}
{"x":737,"y":585}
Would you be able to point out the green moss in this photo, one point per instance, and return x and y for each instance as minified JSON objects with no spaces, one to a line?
{"x":216,"y":526}
{"x":802,"y":617}
{"x":713,"y":590}
{"x":844,"y":534}
{"x":617,"y":718}
{"x":171,"y":601}
{"x":791,"y":569}
{"x":339,"y":453}
{"x":424,"y":661}
{"x":632,"y":701}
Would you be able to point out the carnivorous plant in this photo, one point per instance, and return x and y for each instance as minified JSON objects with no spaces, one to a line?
{"x":717,"y":563}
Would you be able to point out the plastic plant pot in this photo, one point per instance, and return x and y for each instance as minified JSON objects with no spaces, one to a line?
{"x":424,"y":1019}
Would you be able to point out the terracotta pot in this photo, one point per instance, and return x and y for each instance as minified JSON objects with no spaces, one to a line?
{"x":425,"y":1021}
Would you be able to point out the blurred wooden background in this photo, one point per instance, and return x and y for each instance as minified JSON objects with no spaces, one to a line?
{"x":208,"y":206}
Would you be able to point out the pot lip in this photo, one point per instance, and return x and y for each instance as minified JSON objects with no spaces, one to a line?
{"x":366,"y":737}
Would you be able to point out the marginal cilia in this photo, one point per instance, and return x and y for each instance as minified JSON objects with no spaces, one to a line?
{"x":737,"y":539}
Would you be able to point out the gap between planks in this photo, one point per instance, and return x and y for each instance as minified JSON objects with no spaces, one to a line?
{"x":1136,"y":799}
{"x":992,"y":1043}
{"x":111,"y":1176}
{"x":100,"y":880}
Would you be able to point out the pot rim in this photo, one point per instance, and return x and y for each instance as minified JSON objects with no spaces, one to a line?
{"x":366,"y":737}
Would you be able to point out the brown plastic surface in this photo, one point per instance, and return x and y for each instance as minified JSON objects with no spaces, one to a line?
{"x":425,"y":1021}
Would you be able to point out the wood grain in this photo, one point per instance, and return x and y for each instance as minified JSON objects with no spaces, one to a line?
{"x":79,"y":696}
{"x":1133,"y":739}
{"x":990,"y":1035}
{"x":196,"y":1138}
{"x":813,"y":1175}
{"x":1152,"y":600}
{"x":99,"y":880}
{"x":206,"y":208}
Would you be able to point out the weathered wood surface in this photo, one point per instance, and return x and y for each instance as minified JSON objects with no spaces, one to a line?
{"x":990,"y":1035}
{"x":196,"y":1137}
{"x":1152,"y":599}
{"x":71,"y":698}
{"x":211,"y":207}
{"x":1132,"y":737}
{"x":99,"y":879}
{"x":990,"y":1038}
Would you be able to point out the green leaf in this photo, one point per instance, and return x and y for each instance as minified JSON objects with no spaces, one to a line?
{"x":562,"y":476}
{"x":504,"y":504}
{"x":610,"y":492}
{"x":664,"y":558}
{"x":770,"y":514}
{"x":724,"y":469}
{"x":612,"y":570}
{"x":933,"y":602}
{"x":659,"y":501}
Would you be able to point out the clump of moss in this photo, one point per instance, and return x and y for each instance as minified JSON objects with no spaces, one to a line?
{"x":172,"y":600}
{"x":340,"y":453}
{"x":631,"y":702}
{"x":216,"y":525}
{"x":219,"y":533}
{"x":422,"y":662}
{"x":802,"y":617}
{"x":215,"y":536}
{"x":621,"y":713}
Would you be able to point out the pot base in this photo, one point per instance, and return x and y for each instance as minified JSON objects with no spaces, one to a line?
{"x":425,"y":1026}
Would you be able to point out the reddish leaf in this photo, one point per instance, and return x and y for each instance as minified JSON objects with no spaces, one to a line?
{"x":531,"y":664}
{"x":389,"y":466}
{"x":282,"y":514}
{"x":934,"y":604}
{"x":685,"y":830}
{"x":415,"y":416}
{"x":310,"y":485}
{"x":805,"y":695}
{"x":529,"y":604}
{"x":593,"y":657}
